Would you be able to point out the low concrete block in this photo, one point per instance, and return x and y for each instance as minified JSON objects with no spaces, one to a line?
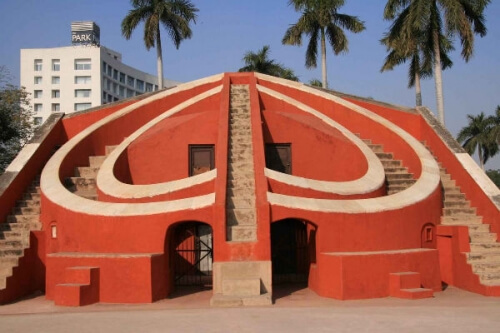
{"x":241,"y":287}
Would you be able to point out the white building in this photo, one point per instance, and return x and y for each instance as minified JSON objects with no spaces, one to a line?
{"x":75,"y":78}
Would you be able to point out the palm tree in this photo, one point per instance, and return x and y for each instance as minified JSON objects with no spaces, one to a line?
{"x":495,"y":130}
{"x":460,"y":17}
{"x":477,"y":134}
{"x":320,"y":20}
{"x":315,"y":83}
{"x":173,"y":15}
{"x":259,"y":62}
{"x":409,"y":45}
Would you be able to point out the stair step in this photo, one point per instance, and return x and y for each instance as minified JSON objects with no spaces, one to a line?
{"x":28,"y":203}
{"x":479,"y":237}
{"x":458,"y":210}
{"x":109,"y":149}
{"x":240,"y":216}
{"x":23,"y":218}
{"x":399,"y":181}
{"x":26,"y":210}
{"x":490,"y":277}
{"x":80,"y":183}
{"x":384,"y":156}
{"x":11,"y":244}
{"x":242,"y":233}
{"x":391,"y":163}
{"x":233,"y":202}
{"x":456,"y":203}
{"x":486,"y":267}
{"x":484,"y":257}
{"x":397,"y":176}
{"x":86,"y":172}
{"x":485,"y":247}
{"x":96,"y":161}
{"x":9,"y":261}
{"x":461,"y":219}
{"x":376,"y":148}
{"x":454,"y":196}
{"x":395,"y":169}
{"x":11,"y":252}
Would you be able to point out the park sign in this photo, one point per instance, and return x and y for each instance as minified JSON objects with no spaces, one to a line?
{"x":86,"y":33}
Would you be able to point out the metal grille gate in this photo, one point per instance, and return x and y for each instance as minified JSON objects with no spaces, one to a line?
{"x":193,"y":255}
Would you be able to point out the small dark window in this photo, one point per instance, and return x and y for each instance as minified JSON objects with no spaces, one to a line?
{"x":201,"y":159}
{"x":279,"y":157}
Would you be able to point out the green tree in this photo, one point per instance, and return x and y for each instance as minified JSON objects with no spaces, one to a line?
{"x":315,"y":83}
{"x":16,"y":119}
{"x":173,"y":15}
{"x":259,"y":62}
{"x":320,"y":20}
{"x":431,"y":17}
{"x":494,"y":176}
{"x":477,"y":134}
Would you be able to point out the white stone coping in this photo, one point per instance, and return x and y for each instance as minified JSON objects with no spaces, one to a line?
{"x":478,"y":175}
{"x":55,"y":191}
{"x":102,"y":255}
{"x":424,"y":186}
{"x":386,"y":252}
{"x":22,"y":158}
{"x":110,"y":185}
{"x":371,"y":181}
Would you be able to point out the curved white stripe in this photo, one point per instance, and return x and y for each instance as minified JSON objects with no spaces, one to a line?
{"x":54,"y":190}
{"x":108,"y":184}
{"x":424,"y":186}
{"x":371,"y":181}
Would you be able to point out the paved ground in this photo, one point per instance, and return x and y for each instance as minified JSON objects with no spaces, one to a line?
{"x":294,"y":311}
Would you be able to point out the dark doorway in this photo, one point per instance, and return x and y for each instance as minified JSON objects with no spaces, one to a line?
{"x":279,"y":157}
{"x":291,"y":251}
{"x":201,"y":159}
{"x":192,"y":254}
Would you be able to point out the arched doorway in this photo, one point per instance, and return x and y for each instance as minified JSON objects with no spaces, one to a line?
{"x":293,"y":249}
{"x":191,"y":255}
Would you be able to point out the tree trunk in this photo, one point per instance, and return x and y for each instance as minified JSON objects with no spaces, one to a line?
{"x":323,"y":59}
{"x":437,"y":78}
{"x":480,"y":152}
{"x":159,"y":59}
{"x":418,"y":89}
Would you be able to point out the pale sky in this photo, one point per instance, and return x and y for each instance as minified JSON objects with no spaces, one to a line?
{"x":226,"y":29}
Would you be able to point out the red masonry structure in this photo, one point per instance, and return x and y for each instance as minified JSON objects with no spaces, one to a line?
{"x":241,"y":182}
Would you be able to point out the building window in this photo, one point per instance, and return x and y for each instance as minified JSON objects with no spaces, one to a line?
{"x":156,"y":87}
{"x":149,"y":87}
{"x":82,"y":92}
{"x":104,"y":66}
{"x":56,"y":80}
{"x":139,"y":85}
{"x":38,"y":65}
{"x":122,"y":78}
{"x":110,"y":98}
{"x":122,"y":91}
{"x":108,"y":85}
{"x":130,"y":93}
{"x":38,"y":107}
{"x":56,"y":107}
{"x":37,"y":120}
{"x":82,"y":106}
{"x":82,"y":64}
{"x":38,"y":80}
{"x":130,"y":81}
{"x":38,"y":94}
{"x":82,"y":79}
{"x":115,"y":88}
{"x":56,"y":93}
{"x":115,"y":74}
{"x":56,"y":65}
{"x":110,"y":69}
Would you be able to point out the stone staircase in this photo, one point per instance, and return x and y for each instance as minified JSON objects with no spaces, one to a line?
{"x":15,"y":232}
{"x":240,"y":196}
{"x":484,"y":255}
{"x":84,"y":182}
{"x":396,"y":175}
